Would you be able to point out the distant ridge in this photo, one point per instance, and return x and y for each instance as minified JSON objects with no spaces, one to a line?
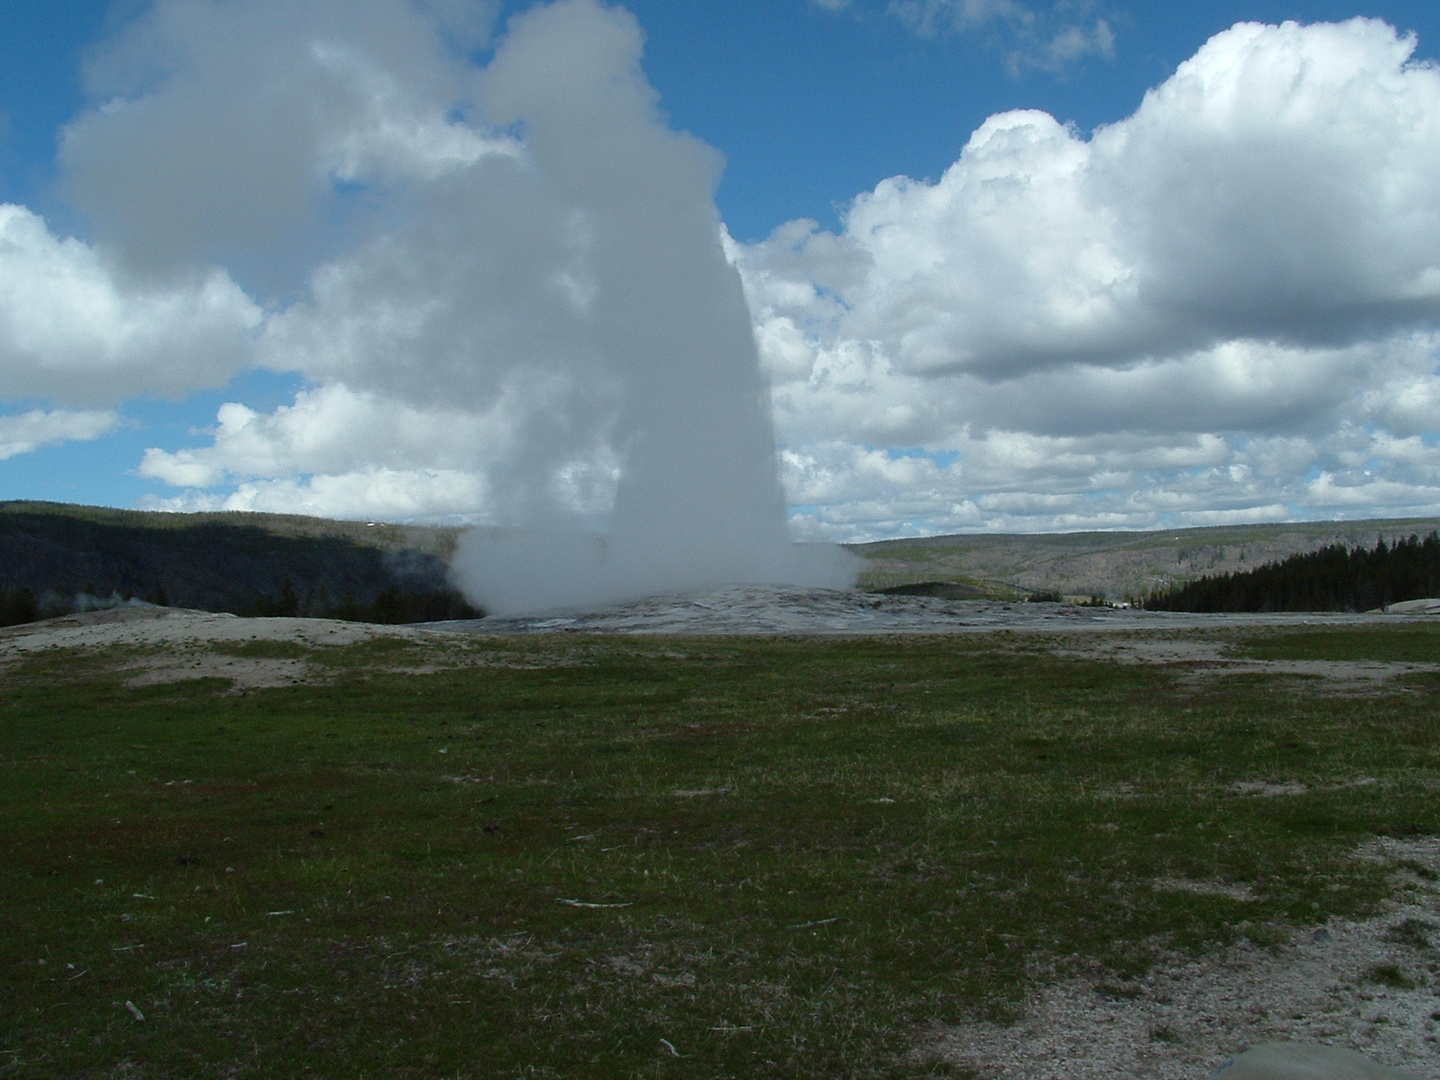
{"x":434,"y":539}
{"x":1114,"y":565}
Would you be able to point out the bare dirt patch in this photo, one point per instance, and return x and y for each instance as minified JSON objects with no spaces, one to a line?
{"x":1367,"y":985}
{"x":241,"y":673}
{"x":1267,"y":788}
{"x":182,"y":626}
{"x":1199,"y":658}
{"x":1233,"y":889}
{"x":156,"y":645}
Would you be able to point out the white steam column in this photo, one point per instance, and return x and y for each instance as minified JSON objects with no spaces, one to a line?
{"x":660,"y":311}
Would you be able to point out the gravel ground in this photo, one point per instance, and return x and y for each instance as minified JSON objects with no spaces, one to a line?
{"x":767,"y":610}
{"x":1342,"y":985}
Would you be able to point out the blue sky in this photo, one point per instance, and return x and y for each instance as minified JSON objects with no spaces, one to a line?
{"x":811,"y":105}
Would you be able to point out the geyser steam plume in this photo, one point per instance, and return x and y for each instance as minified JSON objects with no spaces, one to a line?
{"x":656,"y":352}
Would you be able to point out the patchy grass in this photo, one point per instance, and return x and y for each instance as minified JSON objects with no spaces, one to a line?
{"x":1407,"y":644}
{"x":1390,"y":975}
{"x":614,"y":857}
{"x":377,"y":654}
{"x":1412,"y":932}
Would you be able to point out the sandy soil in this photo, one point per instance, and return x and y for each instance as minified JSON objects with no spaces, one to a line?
{"x":1189,"y":1016}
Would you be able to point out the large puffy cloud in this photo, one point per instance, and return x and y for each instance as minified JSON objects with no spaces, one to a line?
{"x":1280,"y":186}
{"x":367,"y":493}
{"x":235,"y":130}
{"x":74,"y":328}
{"x":345,"y":453}
{"x":1252,"y":259}
{"x":229,"y":142}
{"x":327,"y":430}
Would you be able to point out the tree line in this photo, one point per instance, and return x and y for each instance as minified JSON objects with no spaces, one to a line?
{"x":1335,"y":578}
{"x":390,"y":605}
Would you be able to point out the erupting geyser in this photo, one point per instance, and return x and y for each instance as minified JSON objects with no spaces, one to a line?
{"x":651,"y":344}
{"x":504,"y":284}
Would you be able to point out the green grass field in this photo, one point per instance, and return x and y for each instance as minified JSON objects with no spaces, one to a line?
{"x":621,"y":857}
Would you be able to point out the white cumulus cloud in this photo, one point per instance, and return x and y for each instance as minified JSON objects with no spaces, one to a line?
{"x":344,"y":453}
{"x":27,"y":432}
{"x":1252,"y":256}
{"x":364,"y":493}
{"x":1279,"y":186}
{"x":220,"y":130}
{"x":74,"y":328}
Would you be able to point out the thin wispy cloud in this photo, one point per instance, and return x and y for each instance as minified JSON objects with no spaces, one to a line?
{"x":1029,"y":37}
{"x":28,"y":432}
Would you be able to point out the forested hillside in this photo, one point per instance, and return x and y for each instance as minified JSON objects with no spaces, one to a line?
{"x":55,"y":559}
{"x":1335,"y":578}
